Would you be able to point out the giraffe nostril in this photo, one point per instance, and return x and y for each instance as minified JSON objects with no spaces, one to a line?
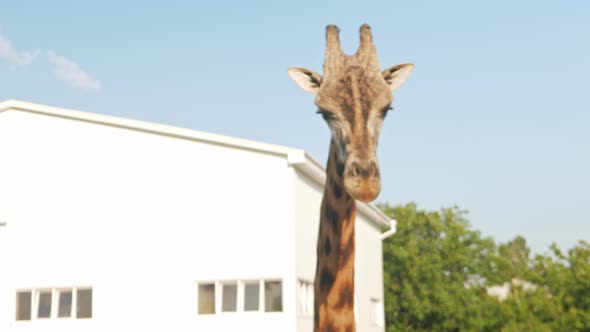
{"x":355,"y":168}
{"x":363,"y":169}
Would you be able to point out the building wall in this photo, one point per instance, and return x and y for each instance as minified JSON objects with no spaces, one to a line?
{"x":368,"y":259}
{"x":140,"y":218}
{"x":308,"y":198}
{"x":368,"y":275}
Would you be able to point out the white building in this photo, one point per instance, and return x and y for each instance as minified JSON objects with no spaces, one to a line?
{"x":109,"y":224}
{"x":501,"y":292}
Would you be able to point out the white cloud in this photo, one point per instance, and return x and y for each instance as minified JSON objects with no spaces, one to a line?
{"x":64,"y":69}
{"x":71,"y":73}
{"x":14,"y":57}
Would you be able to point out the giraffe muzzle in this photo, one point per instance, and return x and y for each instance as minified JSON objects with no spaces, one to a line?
{"x":362,"y":179}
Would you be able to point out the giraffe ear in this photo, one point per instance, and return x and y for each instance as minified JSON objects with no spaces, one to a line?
{"x":307,"y":79}
{"x":396,"y":75}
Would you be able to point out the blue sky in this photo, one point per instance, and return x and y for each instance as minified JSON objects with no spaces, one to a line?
{"x":495,"y":118}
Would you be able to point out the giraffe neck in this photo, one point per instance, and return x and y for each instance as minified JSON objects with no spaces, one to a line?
{"x":334,"y":279}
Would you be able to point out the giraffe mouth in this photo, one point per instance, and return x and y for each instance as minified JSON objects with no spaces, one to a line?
{"x":364,"y":190}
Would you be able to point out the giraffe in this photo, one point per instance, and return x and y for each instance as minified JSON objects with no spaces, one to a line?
{"x":353,"y":96}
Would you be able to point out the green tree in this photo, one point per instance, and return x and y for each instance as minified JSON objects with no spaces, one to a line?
{"x":514,"y":256}
{"x":564,"y":284}
{"x":436,"y":270}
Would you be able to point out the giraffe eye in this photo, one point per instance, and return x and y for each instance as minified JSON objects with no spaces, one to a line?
{"x":385,"y":111}
{"x":325,"y":114}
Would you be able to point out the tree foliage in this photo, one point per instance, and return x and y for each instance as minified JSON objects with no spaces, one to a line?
{"x":437,"y":272}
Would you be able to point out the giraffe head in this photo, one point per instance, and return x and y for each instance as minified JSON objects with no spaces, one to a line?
{"x":353,"y":96}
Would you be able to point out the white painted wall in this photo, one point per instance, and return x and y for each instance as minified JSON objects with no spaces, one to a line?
{"x":140,"y":218}
{"x":308,"y":198}
{"x":368,"y":272}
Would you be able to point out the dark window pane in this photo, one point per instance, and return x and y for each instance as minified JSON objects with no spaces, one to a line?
{"x":84,"y":303}
{"x":44,"y":305}
{"x":251,"y":296}
{"x":207,"y":299}
{"x":64,"y":308}
{"x":23,"y":305}
{"x":273,"y":296}
{"x":229,"y":299}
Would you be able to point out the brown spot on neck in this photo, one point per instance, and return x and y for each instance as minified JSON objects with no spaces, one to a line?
{"x":337,"y":190}
{"x":331,"y":217}
{"x":346,"y":299}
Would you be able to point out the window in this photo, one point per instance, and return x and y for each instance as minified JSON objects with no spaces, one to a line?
{"x":376,"y":307}
{"x":240,"y":296}
{"x":53,"y":303}
{"x":44,"y":304}
{"x":229,"y":300}
{"x":84,"y":303}
{"x":273,"y":296}
{"x":305,"y":301}
{"x":207,"y":299}
{"x":23,"y":305}
{"x":64,"y":305}
{"x":251,"y":296}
